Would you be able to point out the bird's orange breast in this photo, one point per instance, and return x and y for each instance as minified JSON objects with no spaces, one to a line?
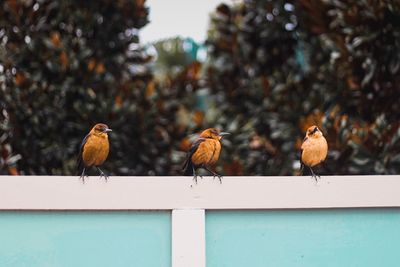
{"x":207,"y":153}
{"x":314,"y":151}
{"x":95,"y":151}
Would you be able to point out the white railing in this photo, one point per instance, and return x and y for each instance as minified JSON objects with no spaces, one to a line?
{"x":168,"y":192}
{"x":188,"y":201}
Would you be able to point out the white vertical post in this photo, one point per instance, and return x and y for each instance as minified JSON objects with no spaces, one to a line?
{"x":188,"y":238}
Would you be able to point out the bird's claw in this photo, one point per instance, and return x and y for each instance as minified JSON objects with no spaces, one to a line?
{"x":316,"y":177}
{"x":105,"y":176}
{"x":82,"y":177}
{"x":102,"y":174}
{"x":195,"y":178}
{"x":219,"y":177}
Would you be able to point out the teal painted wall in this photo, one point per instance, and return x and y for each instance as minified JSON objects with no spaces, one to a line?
{"x":83,"y":239}
{"x":366,"y":237}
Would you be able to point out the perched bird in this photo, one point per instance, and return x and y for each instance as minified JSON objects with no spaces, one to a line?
{"x":204,"y":153}
{"x":94,"y":150}
{"x":313,"y":150}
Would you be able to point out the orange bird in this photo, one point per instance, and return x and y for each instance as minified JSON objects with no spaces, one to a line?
{"x":313,"y":150}
{"x":94,"y":150}
{"x":204,"y":153}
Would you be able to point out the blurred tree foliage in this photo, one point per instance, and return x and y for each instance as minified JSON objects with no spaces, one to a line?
{"x":66,"y":65}
{"x":273,"y":69}
{"x":173,"y":55}
{"x":277,"y":67}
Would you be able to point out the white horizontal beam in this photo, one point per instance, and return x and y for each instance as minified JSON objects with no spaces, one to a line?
{"x":167,"y":193}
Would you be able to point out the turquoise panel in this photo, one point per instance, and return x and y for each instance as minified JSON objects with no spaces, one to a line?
{"x":83,"y":239}
{"x":355,"y":237}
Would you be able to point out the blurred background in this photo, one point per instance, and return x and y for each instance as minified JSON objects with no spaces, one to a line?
{"x":262,"y":70}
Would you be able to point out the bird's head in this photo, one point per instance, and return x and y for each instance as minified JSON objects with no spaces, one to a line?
{"x":213,"y":133}
{"x":100,"y":129}
{"x":314,"y":132}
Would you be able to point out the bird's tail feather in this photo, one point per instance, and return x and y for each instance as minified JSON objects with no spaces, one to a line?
{"x":301,"y":168}
{"x":188,"y":168}
{"x":79,"y":166}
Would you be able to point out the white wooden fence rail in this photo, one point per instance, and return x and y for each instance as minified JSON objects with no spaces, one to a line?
{"x":168,"y":192}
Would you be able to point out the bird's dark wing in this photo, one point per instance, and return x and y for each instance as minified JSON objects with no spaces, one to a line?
{"x":79,"y":160}
{"x":187,"y":167}
{"x":301,"y":155}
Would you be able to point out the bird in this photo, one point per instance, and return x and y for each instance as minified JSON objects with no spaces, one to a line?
{"x":314,"y":149}
{"x":204,"y":153}
{"x":94,"y":150}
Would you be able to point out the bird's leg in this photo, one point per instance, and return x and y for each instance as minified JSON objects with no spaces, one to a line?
{"x":313,"y":175}
{"x":102,"y":174}
{"x":83,"y":175}
{"x":215,"y":174}
{"x":195,"y":176}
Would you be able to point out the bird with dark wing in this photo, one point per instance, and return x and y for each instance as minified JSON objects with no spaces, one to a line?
{"x":204,"y":153}
{"x":313,"y":150}
{"x":94,"y":150}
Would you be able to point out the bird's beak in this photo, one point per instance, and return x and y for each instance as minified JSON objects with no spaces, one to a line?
{"x":223,"y":134}
{"x":108,"y":130}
